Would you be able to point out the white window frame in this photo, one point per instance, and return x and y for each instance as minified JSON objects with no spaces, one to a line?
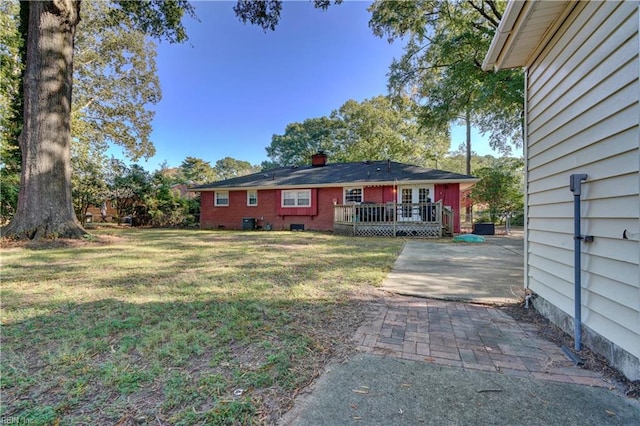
{"x":352,"y":188}
{"x":251,"y":192}
{"x":216,"y":200}
{"x":296,"y":198}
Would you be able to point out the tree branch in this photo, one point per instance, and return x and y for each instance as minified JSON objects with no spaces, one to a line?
{"x":86,"y":104}
{"x":492,"y":5}
{"x":481,"y":11}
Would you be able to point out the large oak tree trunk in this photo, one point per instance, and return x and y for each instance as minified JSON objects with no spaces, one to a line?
{"x":45,"y":207}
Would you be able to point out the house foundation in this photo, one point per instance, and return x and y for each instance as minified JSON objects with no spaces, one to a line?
{"x":620,"y":359}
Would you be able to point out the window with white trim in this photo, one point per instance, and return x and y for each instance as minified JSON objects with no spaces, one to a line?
{"x":352,"y":195}
{"x":252,"y":198}
{"x":221,"y":198}
{"x":296,"y":198}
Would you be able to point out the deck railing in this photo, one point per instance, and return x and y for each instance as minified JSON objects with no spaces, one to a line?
{"x":396,"y":219}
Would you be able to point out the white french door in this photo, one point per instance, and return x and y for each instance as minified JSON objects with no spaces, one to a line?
{"x":409,"y":197}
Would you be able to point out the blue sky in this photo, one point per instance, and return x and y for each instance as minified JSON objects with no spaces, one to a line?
{"x":232,"y":86}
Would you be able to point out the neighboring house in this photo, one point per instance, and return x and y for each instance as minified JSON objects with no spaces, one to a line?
{"x":384,"y":195}
{"x":182,"y":190}
{"x":95,"y":212}
{"x":582,"y":117}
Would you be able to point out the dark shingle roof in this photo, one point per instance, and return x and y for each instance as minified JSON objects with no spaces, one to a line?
{"x":370,"y":172}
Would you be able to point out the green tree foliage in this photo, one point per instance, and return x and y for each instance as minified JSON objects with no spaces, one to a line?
{"x":115,"y":82}
{"x":456,"y":161}
{"x":160,"y":19}
{"x":301,"y":140}
{"x":197,"y":170}
{"x":45,"y":205}
{"x":268,"y":165}
{"x":266,"y":13}
{"x":228,"y":168}
{"x":11,"y":50}
{"x":500,"y":187}
{"x":172,"y":175}
{"x":89,"y":184}
{"x":129,"y":187}
{"x":375,"y":129}
{"x":9,"y":189}
{"x":165,"y":204}
{"x":446,"y":41}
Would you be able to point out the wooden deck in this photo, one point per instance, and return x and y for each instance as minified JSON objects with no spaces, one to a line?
{"x":426,"y":220}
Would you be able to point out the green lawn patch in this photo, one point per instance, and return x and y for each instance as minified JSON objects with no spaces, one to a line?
{"x":177,"y":326}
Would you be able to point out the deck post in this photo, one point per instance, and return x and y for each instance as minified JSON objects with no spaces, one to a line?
{"x":395,"y":219}
{"x":353,"y":218}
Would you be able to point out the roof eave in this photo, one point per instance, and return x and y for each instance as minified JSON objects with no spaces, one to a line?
{"x":526,"y":27}
{"x":337,"y":184}
{"x":502,"y":36}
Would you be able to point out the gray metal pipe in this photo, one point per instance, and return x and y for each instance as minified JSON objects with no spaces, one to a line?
{"x":575,"y":184}
{"x":577,"y":271}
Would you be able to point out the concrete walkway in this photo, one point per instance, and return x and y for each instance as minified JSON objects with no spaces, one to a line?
{"x":435,"y":360}
{"x":373,"y":390}
{"x":489,"y":273}
{"x":432,"y":362}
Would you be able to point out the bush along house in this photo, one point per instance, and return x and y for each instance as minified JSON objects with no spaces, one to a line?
{"x":371,"y":198}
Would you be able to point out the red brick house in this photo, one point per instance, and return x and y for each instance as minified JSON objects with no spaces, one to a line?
{"x":335,"y":196}
{"x":94,"y":213}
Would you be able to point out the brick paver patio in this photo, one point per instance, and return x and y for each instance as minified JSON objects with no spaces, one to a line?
{"x":470,"y":336}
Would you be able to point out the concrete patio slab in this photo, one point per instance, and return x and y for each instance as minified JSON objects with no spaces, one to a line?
{"x":433,"y":362}
{"x":488,"y":273}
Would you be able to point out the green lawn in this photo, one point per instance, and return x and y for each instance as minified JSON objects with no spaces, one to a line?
{"x":178,"y":327}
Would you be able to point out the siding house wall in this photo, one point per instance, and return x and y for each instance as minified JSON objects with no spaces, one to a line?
{"x":583,"y":117}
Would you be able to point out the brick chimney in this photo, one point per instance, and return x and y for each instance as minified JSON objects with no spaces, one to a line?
{"x":319,"y":159}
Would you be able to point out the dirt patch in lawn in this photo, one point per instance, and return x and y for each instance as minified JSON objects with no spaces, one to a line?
{"x":54,"y":243}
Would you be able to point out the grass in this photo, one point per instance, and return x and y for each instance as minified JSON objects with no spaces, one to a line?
{"x":177,"y":326}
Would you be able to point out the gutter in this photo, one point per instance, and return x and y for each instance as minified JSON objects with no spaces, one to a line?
{"x":515,"y":30}
{"x":336,"y":184}
{"x":492,"y":60}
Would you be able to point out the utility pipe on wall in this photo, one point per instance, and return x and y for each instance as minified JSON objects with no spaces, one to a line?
{"x":575,"y":183}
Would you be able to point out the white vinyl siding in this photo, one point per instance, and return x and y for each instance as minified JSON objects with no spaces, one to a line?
{"x":583,"y":117}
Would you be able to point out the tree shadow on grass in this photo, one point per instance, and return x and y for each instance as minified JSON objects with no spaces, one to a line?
{"x":164,"y":326}
{"x":214,"y":361}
